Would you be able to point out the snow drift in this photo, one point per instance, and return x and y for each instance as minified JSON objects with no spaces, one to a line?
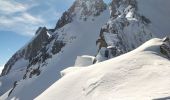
{"x":142,"y":74}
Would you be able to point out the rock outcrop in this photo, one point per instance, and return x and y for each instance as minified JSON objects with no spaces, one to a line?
{"x":165,"y":47}
{"x":126,"y":29}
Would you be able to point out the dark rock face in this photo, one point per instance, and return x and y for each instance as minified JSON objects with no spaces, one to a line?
{"x":65,"y":19}
{"x":57,"y":46}
{"x":165,"y":47}
{"x":115,"y":4}
{"x":37,"y":43}
{"x":101,"y":41}
{"x":35,"y":72}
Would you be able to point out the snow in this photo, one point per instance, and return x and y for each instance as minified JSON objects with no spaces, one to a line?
{"x":111,"y":39}
{"x":16,"y":73}
{"x":1,"y":68}
{"x":101,"y":55}
{"x":48,"y":34}
{"x":130,"y":13}
{"x":70,"y":70}
{"x":158,"y":12}
{"x":127,"y":77}
{"x":80,"y":37}
{"x":20,"y":64}
{"x":6,"y":82}
{"x":84,"y":60}
{"x":5,"y":95}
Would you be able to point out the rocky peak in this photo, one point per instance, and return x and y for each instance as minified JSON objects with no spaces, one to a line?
{"x":88,"y":7}
{"x":82,"y":9}
{"x":42,"y":37}
{"x":125,"y":30}
{"x":165,"y":47}
{"x":117,"y":4}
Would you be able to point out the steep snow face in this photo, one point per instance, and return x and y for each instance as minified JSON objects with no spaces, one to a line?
{"x":79,"y":37}
{"x":126,"y":77}
{"x":158,"y":12}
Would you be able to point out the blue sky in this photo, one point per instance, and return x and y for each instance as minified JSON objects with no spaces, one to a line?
{"x":19,"y":19}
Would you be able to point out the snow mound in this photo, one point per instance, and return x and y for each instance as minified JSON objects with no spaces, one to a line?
{"x":84,"y":60}
{"x":81,"y":62}
{"x":126,"y":77}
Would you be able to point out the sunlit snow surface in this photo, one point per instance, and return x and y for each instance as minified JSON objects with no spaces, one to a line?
{"x":142,"y":74}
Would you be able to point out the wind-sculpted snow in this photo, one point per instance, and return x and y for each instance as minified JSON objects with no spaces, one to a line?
{"x":142,"y":74}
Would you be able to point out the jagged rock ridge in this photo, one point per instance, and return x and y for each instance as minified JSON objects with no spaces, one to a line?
{"x":125,"y":30}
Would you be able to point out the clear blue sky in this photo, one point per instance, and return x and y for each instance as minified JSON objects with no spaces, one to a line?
{"x":19,"y":20}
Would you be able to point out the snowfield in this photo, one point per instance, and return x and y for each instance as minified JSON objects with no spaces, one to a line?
{"x":142,"y":74}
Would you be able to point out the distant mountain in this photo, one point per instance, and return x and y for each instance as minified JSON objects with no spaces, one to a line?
{"x":88,"y":27}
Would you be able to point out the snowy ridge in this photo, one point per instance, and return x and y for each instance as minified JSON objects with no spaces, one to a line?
{"x":126,"y":77}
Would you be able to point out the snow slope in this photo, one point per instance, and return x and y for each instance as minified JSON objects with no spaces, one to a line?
{"x":16,"y":73}
{"x":158,"y":12}
{"x":83,"y":35}
{"x":142,"y":74}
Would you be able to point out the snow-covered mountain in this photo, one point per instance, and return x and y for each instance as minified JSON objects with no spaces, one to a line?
{"x":93,"y":28}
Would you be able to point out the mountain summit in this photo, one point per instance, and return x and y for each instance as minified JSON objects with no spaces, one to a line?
{"x":81,"y":9}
